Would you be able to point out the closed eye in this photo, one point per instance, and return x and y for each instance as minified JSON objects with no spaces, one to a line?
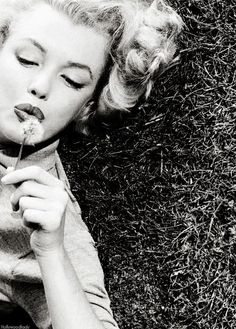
{"x":26,"y":62}
{"x":72,"y":83}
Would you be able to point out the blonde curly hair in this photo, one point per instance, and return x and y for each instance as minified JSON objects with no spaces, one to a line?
{"x":142,"y":43}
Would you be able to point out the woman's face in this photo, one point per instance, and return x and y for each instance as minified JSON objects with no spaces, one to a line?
{"x":49,"y":63}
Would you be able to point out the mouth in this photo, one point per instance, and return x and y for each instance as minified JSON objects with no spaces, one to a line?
{"x":27,"y":111}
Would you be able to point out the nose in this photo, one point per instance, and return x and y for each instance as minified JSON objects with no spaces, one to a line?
{"x":40,"y":87}
{"x":37,"y":93}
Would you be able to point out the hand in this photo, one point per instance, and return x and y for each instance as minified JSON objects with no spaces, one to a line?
{"x":41,"y":199}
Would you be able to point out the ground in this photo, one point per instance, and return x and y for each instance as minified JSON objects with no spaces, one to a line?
{"x":158,"y":193}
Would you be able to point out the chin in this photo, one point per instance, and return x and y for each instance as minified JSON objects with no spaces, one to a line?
{"x":32,"y":131}
{"x":9,"y":137}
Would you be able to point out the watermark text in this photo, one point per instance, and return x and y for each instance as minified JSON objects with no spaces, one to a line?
{"x":6,"y":326}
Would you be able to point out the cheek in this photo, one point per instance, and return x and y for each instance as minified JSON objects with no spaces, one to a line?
{"x":70,"y":102}
{"x":64,"y":109}
{"x":12,"y":78}
{"x":60,"y":114}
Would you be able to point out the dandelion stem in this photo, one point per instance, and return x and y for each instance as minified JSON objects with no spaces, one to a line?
{"x":20,"y":152}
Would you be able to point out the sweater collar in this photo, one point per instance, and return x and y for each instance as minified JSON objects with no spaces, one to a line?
{"x":42,"y":155}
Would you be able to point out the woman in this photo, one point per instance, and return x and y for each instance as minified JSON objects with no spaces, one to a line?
{"x":64,"y":61}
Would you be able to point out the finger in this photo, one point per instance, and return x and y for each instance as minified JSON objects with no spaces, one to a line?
{"x":33,"y":189}
{"x":34,"y":203}
{"x":9,"y":170}
{"x":56,"y":207}
{"x":46,"y":221}
{"x":34,"y":219}
{"x":31,"y":173}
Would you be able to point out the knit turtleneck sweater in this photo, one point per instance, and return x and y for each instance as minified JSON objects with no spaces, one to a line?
{"x":16,"y":257}
{"x":20,"y":277}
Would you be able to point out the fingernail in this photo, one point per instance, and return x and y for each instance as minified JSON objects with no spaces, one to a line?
{"x":3,"y":180}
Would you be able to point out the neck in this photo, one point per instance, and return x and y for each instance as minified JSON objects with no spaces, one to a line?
{"x":4,"y":140}
{"x":41,"y":154}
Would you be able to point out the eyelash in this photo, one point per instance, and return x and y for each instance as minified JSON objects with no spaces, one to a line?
{"x":71,"y":83}
{"x":25,"y":62}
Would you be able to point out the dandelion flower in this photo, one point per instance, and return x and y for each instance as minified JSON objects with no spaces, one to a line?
{"x":32,"y":130}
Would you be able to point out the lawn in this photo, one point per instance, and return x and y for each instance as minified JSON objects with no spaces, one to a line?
{"x":158,"y":192}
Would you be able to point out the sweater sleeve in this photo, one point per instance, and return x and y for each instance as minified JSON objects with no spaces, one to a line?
{"x":83,"y":254}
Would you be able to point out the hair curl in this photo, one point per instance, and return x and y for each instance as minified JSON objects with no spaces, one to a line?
{"x":141,"y":38}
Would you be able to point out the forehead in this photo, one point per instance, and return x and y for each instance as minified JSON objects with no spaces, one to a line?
{"x":60,"y":36}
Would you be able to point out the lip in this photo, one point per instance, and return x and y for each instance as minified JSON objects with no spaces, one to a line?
{"x":23,"y":111}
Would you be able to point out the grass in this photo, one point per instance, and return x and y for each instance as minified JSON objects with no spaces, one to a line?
{"x":158,"y":193}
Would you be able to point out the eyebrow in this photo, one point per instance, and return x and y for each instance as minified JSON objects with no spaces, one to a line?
{"x":81,"y":67}
{"x":69,"y":64}
{"x":36,"y":44}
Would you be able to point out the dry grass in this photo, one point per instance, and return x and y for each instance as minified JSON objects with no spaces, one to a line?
{"x":158,"y":194}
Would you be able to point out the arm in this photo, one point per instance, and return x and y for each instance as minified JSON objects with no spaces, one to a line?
{"x":67,"y":303}
{"x":42,"y":201}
